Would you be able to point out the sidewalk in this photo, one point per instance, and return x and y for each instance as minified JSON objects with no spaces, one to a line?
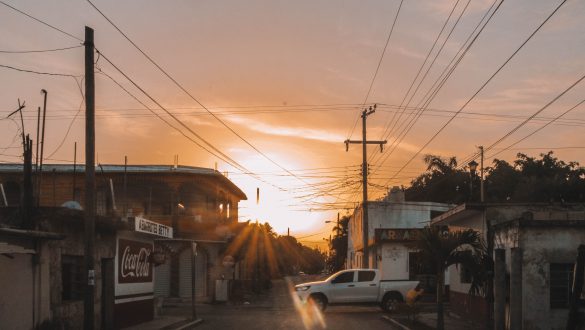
{"x":428,"y":320}
{"x":166,"y":322}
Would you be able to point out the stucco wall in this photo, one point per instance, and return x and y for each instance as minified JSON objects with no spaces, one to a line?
{"x":388,"y":215}
{"x":16,"y":297}
{"x":542,"y":246}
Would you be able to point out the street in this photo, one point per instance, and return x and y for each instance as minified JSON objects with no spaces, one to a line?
{"x":275,"y":310}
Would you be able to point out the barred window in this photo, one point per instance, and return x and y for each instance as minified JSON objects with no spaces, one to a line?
{"x":561,"y":279}
{"x":72,"y":277}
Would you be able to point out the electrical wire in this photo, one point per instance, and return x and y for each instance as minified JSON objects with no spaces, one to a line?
{"x":482,"y":87}
{"x":38,"y":51}
{"x":38,"y":72}
{"x":377,"y":69}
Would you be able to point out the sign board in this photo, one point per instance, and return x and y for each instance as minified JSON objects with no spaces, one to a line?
{"x":150,"y":227}
{"x":398,"y":235}
{"x":134,"y":261}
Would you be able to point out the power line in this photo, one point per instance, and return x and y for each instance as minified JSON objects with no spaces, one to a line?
{"x":377,"y":69}
{"x":190,"y":95}
{"x":444,"y":76}
{"x":421,"y":68}
{"x":540,"y":128}
{"x":42,"y":22}
{"x":38,"y":51}
{"x":481,"y":88}
{"x":38,"y":72}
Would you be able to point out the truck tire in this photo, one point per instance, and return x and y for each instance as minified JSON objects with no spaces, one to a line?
{"x":390,"y":300}
{"x":319,"y":300}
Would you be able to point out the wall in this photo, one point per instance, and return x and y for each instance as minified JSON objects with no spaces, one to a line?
{"x":384,"y":214}
{"x":394,"y":264}
{"x":542,"y":246}
{"x":16,"y":299}
{"x":71,"y":312}
{"x":134,"y":302}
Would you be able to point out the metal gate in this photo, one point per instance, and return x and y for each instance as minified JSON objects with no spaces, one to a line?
{"x":162,"y":279}
{"x":185,"y":274}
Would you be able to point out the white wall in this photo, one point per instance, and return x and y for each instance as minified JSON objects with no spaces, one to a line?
{"x":16,"y":292}
{"x":389,"y":215}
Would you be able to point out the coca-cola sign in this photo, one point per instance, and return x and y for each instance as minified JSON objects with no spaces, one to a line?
{"x":134,"y":261}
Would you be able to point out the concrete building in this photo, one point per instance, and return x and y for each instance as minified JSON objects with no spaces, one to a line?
{"x":534,"y":249}
{"x":151,"y":214}
{"x":392,"y":226}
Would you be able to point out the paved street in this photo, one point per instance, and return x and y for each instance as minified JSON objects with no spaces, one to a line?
{"x":275,"y":310}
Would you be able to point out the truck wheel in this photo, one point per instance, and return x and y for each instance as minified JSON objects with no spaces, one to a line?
{"x":319,"y":300}
{"x":390,"y":301}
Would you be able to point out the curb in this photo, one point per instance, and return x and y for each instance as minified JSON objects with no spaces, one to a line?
{"x":183,"y":325}
{"x":396,"y":323}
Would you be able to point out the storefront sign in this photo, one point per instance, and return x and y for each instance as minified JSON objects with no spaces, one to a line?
{"x":134,"y":261}
{"x":150,"y":227}
{"x":397,"y":235}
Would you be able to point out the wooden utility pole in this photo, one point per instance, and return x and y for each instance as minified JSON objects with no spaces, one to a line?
{"x":90,"y":211}
{"x":40,"y":169}
{"x":481,"y":175}
{"x":364,"y":142}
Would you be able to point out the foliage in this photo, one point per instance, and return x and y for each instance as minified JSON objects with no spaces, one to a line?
{"x":526,"y":179}
{"x":267,"y":255}
{"x":441,"y":248}
{"x":336,"y":260}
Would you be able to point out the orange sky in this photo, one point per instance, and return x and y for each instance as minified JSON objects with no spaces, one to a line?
{"x":290,"y":78}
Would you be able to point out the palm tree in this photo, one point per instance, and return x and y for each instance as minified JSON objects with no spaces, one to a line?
{"x":441,"y":248}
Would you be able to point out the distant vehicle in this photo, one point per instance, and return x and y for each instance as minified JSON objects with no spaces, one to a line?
{"x":302,"y":273}
{"x":356,"y":286}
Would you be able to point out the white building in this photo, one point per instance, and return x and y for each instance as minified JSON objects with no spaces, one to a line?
{"x":534,"y":248}
{"x":393,"y":224}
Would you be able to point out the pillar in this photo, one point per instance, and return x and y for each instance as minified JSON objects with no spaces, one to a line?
{"x":500,"y":289}
{"x":516,"y":289}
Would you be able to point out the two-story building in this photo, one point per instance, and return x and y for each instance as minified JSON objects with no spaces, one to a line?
{"x":153,"y":214}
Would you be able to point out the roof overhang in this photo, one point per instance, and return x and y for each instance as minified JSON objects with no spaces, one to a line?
{"x":458,"y":213}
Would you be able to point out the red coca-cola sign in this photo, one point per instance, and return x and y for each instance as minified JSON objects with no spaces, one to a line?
{"x":134,"y":261}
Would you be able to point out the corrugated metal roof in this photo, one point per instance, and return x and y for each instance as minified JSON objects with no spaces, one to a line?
{"x":113,"y":168}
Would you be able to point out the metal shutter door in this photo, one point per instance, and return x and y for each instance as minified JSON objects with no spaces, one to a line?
{"x":162,"y":279}
{"x":185,"y":274}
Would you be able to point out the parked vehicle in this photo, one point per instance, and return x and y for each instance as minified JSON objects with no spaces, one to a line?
{"x":356,"y":286}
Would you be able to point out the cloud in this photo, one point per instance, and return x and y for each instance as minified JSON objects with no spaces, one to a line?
{"x":297,"y":132}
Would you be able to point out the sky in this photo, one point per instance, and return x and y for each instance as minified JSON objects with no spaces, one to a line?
{"x":288,"y":80}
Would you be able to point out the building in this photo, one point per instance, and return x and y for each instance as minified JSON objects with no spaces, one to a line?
{"x":393,"y":225}
{"x":534,"y":248}
{"x":149,"y":219}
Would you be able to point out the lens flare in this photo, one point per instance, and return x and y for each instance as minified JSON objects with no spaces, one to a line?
{"x":311,"y":315}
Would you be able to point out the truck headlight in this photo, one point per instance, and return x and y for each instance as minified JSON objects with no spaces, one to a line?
{"x":303,"y":288}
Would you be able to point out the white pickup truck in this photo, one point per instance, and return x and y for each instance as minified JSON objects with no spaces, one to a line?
{"x":356,"y":286}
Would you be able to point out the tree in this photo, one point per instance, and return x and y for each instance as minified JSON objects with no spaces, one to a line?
{"x":441,"y":182}
{"x":526,"y":179}
{"x":338,"y":245}
{"x":440,"y":249}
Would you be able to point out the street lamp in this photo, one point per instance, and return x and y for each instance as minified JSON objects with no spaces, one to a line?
{"x":472,"y":168}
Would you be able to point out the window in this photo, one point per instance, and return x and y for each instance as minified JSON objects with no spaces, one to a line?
{"x":72,"y":277}
{"x":561,"y":279}
{"x":366,"y":276}
{"x":343,"y":278}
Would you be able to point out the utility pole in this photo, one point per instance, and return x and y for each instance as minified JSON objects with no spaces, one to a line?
{"x":40,"y":169}
{"x":481,"y":175}
{"x":364,"y":142}
{"x":88,"y":303}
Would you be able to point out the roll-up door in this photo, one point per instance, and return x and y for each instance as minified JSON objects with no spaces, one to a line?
{"x":185,"y":274}
{"x":162,"y":279}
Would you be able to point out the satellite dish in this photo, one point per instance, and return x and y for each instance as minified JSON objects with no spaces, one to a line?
{"x":73,"y":205}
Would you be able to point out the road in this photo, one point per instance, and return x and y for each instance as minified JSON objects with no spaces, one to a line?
{"x":275,"y":310}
